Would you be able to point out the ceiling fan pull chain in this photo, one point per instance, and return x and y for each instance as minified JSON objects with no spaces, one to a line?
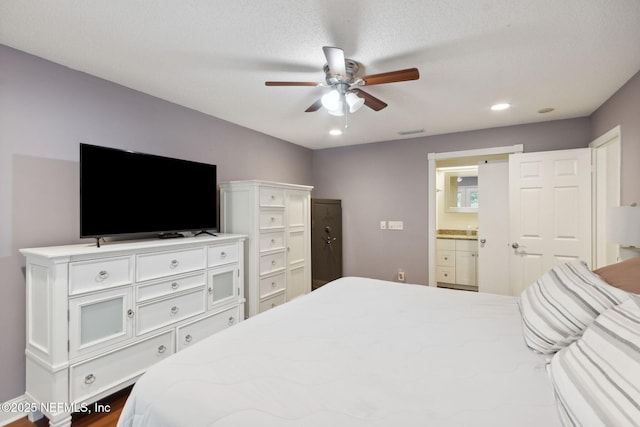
{"x":346,"y":115}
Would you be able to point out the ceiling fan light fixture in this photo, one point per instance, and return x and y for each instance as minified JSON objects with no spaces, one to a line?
{"x":331,"y":100}
{"x":338,"y":111}
{"x":354,"y":102}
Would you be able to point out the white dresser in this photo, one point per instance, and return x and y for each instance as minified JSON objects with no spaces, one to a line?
{"x":277,"y":219}
{"x":97,"y":318}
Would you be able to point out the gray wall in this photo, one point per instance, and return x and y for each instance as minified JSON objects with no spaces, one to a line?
{"x":623,"y":108}
{"x":45,"y":111}
{"x":388,"y":181}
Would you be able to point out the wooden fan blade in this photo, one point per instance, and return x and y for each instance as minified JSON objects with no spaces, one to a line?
{"x":370,"y":101}
{"x":314,"y":107}
{"x":292,"y":84}
{"x":392,"y":77}
{"x":335,"y":59}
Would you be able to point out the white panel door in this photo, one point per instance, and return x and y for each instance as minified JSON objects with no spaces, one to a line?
{"x":550,"y":212}
{"x":493,"y":232}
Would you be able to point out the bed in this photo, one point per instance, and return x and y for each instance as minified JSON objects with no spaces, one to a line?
{"x":361,"y":352}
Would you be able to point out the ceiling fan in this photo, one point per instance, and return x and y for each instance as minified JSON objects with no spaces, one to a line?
{"x":342,"y":76}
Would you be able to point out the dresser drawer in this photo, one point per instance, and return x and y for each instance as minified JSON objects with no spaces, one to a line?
{"x":222,"y":254}
{"x":446,"y":258}
{"x":271,"y":241}
{"x":269,"y":303}
{"x":271,"y":284}
{"x":270,"y":196}
{"x":101,"y":274}
{"x":271,"y":263}
{"x":196,"y":331}
{"x":97,"y":375}
{"x":158,"y":314}
{"x":167,"y":287}
{"x":161,"y":264}
{"x":271,"y":219}
{"x":446,"y":274}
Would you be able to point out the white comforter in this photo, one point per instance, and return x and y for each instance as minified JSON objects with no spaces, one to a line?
{"x":356,"y":352}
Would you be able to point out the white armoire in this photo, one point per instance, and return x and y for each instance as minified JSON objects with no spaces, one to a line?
{"x":277,"y":219}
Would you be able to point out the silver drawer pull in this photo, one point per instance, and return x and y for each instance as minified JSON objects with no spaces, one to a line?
{"x":130,"y":313}
{"x":273,"y":304}
{"x":174,"y":310}
{"x":446,"y":258}
{"x":162,"y":349}
{"x":89,"y":379}
{"x":174,"y":285}
{"x":223,"y":254}
{"x":188,"y":338}
{"x":273,"y":197}
{"x":174,"y":263}
{"x":273,"y":284}
{"x":210,"y":291}
{"x":273,"y":262}
{"x":103,"y":274}
{"x":273,"y":241}
{"x":231,"y":320}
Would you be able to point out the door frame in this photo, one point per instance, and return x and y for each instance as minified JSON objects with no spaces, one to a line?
{"x":612,"y":136}
{"x":432,"y":190}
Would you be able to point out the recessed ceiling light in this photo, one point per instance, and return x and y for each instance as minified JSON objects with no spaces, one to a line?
{"x":499,"y":107}
{"x":335,"y":132}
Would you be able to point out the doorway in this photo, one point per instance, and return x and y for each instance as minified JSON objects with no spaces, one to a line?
{"x":606,"y":194}
{"x":326,"y":241}
{"x":457,"y":158}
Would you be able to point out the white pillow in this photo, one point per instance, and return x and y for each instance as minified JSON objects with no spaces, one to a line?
{"x":597,"y":378}
{"x":558,"y":306}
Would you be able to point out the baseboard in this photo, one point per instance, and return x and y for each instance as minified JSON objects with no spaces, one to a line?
{"x":9,"y":413}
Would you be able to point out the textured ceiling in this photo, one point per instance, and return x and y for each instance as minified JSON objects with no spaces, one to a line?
{"x":214,"y":56}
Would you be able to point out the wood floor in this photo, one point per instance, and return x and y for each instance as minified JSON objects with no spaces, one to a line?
{"x":98,"y":419}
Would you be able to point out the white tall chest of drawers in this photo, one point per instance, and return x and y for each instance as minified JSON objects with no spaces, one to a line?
{"x":97,"y":318}
{"x":277,"y":219}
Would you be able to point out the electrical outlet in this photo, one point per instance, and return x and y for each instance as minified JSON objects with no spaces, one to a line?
{"x":383,"y":225}
{"x":400,"y":276}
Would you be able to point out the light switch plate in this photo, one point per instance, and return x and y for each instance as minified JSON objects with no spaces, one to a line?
{"x":395,"y":225}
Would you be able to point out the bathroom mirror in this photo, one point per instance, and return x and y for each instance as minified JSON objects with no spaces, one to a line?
{"x":461,"y":191}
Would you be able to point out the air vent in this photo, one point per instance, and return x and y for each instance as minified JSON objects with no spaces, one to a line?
{"x":410,"y":132}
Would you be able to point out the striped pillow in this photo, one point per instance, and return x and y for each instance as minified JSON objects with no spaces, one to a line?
{"x":558,"y":306}
{"x":597,"y":378}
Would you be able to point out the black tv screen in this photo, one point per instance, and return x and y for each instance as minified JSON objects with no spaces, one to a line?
{"x":123,"y":192}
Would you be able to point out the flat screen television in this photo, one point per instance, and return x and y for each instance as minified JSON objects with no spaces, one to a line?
{"x":128,"y":193}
